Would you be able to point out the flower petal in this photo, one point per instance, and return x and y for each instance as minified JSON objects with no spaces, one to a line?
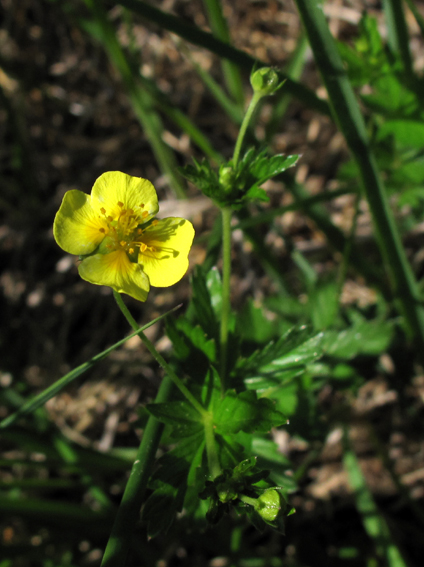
{"x":171,"y":239}
{"x":134,"y":192}
{"x":116,"y":271}
{"x":76,"y":227}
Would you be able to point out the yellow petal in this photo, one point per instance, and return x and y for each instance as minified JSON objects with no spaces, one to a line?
{"x":171,"y":240}
{"x":76,"y":227}
{"x":116,"y":271}
{"x":135,"y":193}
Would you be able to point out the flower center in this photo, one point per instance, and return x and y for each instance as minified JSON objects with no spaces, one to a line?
{"x":124,"y":231}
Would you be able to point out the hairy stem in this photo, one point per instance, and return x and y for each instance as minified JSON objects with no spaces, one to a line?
{"x":158,"y":357}
{"x":226,"y":274}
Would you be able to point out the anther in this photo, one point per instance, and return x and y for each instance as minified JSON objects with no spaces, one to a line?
{"x":120,"y":204}
{"x":102,"y":230}
{"x":145,"y":214}
{"x":154,"y":222}
{"x":103,"y":211}
{"x":143,"y":247}
{"x":109,"y":218}
{"x":122,"y":243}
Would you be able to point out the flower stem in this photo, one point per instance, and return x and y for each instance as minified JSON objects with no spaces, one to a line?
{"x":158,"y":357}
{"x":213,"y":460}
{"x":225,"y":309}
{"x":248,"y":500}
{"x":243,"y":128}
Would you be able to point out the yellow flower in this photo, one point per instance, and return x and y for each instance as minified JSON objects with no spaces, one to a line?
{"x":121,"y":244}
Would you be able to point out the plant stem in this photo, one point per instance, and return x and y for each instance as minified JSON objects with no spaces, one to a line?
{"x":213,"y":460}
{"x":158,"y":357}
{"x":243,"y":128}
{"x":127,"y":516}
{"x":225,"y":309}
{"x":248,"y":500}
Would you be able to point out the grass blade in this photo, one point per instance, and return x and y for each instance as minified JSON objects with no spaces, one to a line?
{"x":220,"y":30}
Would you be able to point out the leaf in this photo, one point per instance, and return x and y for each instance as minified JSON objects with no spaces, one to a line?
{"x":214,"y":286}
{"x":407,"y":133}
{"x":365,"y":337}
{"x":161,"y":507}
{"x":324,"y":304}
{"x":255,"y":324}
{"x":245,"y":412}
{"x":266,"y":167}
{"x":295,"y":348}
{"x":181,"y":415}
{"x":203,"y":304}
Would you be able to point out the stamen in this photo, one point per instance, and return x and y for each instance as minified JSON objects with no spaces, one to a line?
{"x":145,"y":214}
{"x":102,"y":230}
{"x":142,"y":205}
{"x":122,"y":243}
{"x":103,"y":210}
{"x":109,"y":218}
{"x":143,"y":247}
{"x":131,"y":250}
{"x":120,"y":204}
{"x":155,"y":222}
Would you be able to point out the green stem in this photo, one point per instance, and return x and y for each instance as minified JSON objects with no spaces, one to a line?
{"x":226,"y":274}
{"x":248,"y":500}
{"x":158,"y":357}
{"x":243,"y":128}
{"x":128,"y":513}
{"x":213,"y":460}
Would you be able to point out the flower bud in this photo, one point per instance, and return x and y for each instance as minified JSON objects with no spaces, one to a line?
{"x":270,"y":504}
{"x":265,"y":81}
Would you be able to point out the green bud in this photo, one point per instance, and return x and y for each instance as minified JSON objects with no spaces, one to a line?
{"x":226,"y":178}
{"x":265,"y":81}
{"x":269,"y":505}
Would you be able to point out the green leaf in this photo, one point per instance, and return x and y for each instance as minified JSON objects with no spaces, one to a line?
{"x":407,"y":133}
{"x":203,"y":304}
{"x":245,"y":412}
{"x":185,"y":337}
{"x":324,"y":304}
{"x":295,"y":348}
{"x":214,"y":286}
{"x":181,"y":415}
{"x":256,"y":324}
{"x":266,"y":167}
{"x":161,"y":507}
{"x":365,"y":337}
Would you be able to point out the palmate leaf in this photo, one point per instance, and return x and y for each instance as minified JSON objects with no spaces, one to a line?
{"x":181,"y":415}
{"x":245,"y":412}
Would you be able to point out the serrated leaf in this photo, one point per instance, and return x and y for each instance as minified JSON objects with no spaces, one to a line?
{"x":245,"y":412}
{"x":203,"y":304}
{"x":181,"y":415}
{"x":214,"y":286}
{"x":266,"y":167}
{"x":295,"y":348}
{"x":365,"y":337}
{"x":160,"y":509}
